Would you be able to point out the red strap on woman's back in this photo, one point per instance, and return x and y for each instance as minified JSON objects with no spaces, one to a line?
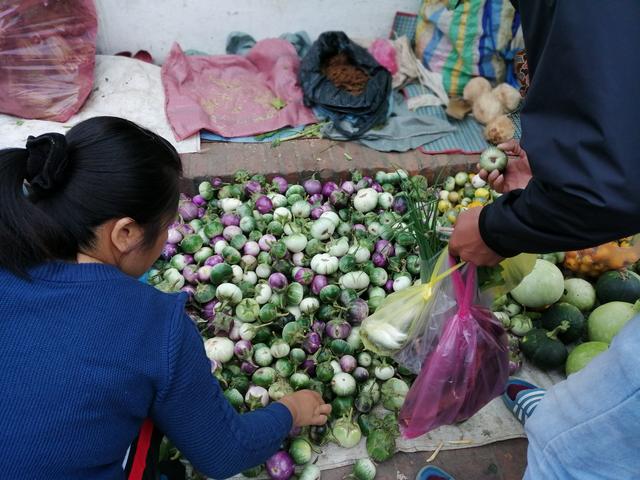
{"x":142,"y":449}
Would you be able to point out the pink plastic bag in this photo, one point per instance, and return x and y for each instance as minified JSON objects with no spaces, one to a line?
{"x":234,"y":95}
{"x":47,"y":57}
{"x":385,"y":53}
{"x":466,"y":368}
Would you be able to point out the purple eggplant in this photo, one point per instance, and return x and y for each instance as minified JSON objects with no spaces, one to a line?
{"x":214,"y":260}
{"x":248,"y":367}
{"x":389,"y":286}
{"x":168,"y":251}
{"x":198,"y":201}
{"x":266,"y":241}
{"x":348,"y":187}
{"x":230,"y":219}
{"x":243,"y":349}
{"x":278,"y":281}
{"x":315,"y":199}
{"x":348,"y":363}
{"x":280,"y":466}
{"x":338,"y":328}
{"x":187,"y":211}
{"x":358,"y":310}
{"x":304,"y":276}
{"x":190,"y":290}
{"x":399,"y":205}
{"x":312,"y":186}
{"x":329,"y":187}
{"x":361,"y":374}
{"x":264,"y":204}
{"x":379,"y":260}
{"x":312,"y":343}
{"x":190,"y":274}
{"x":174,"y":236}
{"x":318,"y":326}
{"x":309,"y":366}
{"x":252,"y":187}
{"x":318,"y":283}
{"x":280,"y":184}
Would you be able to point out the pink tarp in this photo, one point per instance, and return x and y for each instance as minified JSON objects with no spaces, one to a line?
{"x":234,"y":95}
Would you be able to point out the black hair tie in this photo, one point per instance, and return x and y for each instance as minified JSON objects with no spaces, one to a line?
{"x":47,"y":162}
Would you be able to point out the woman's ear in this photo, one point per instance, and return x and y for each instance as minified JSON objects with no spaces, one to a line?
{"x":126,"y":235}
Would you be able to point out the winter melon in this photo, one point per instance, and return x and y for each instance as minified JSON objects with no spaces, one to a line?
{"x":583,"y":354}
{"x":580,"y":293}
{"x":543,"y":286}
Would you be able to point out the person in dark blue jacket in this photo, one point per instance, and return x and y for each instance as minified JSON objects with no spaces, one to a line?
{"x":573,"y":184}
{"x":579,"y":133}
{"x":89,"y":354}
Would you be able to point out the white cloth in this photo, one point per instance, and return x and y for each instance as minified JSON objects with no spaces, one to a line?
{"x":123,"y":87}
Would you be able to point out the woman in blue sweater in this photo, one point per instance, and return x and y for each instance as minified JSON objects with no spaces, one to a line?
{"x":88,"y":352}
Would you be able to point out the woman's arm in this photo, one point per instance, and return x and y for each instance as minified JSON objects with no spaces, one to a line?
{"x":193,"y":413}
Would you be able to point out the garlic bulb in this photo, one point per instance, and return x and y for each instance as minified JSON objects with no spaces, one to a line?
{"x":499,"y":130}
{"x":486,"y":108}
{"x":509,"y":97}
{"x":476,"y":87}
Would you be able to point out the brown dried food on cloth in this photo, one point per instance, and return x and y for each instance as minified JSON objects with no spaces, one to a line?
{"x":345,"y":75}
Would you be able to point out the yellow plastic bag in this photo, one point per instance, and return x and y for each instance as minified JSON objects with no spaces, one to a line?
{"x":507,"y":275}
{"x":403,"y":314}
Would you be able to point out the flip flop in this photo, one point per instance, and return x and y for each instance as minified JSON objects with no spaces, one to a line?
{"x":522,"y":398}
{"x":432,"y":472}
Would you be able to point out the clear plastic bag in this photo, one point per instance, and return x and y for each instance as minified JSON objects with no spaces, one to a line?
{"x":404,"y":316}
{"x":466,"y":363}
{"x":47,"y":57}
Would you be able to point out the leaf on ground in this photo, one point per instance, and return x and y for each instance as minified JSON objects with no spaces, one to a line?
{"x":278,"y":103}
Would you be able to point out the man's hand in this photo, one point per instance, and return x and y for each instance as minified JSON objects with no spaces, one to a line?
{"x":307,"y":408}
{"x":518,"y":171}
{"x":466,"y":241}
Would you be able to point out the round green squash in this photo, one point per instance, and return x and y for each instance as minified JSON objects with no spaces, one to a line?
{"x":618,"y":286}
{"x":564,"y":312}
{"x":544,"y":349}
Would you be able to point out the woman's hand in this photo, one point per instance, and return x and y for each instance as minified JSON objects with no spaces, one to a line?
{"x":307,"y":408}
{"x":518,"y":171}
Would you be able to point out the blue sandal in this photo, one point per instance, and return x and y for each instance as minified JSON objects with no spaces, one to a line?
{"x":432,"y":472}
{"x":522,"y":398}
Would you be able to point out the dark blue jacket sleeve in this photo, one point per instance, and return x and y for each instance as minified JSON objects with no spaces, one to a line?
{"x":580,"y":129}
{"x":194,"y":414}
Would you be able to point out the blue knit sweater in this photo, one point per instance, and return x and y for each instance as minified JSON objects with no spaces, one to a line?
{"x":86,"y":354}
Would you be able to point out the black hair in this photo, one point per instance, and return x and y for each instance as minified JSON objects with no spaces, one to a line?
{"x":57,"y":190}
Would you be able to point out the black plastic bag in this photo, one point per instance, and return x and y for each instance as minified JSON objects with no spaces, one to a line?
{"x":365,"y":110}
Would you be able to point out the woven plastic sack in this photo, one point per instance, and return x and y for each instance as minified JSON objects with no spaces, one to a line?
{"x":593,"y":262}
{"x":465,"y":39}
{"x":47,"y":57}
{"x":467,"y":365}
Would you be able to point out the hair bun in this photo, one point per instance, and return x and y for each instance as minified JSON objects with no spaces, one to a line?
{"x":47,"y":162}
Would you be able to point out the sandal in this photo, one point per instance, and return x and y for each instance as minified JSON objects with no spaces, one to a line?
{"x":522,"y":398}
{"x":432,"y":472}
